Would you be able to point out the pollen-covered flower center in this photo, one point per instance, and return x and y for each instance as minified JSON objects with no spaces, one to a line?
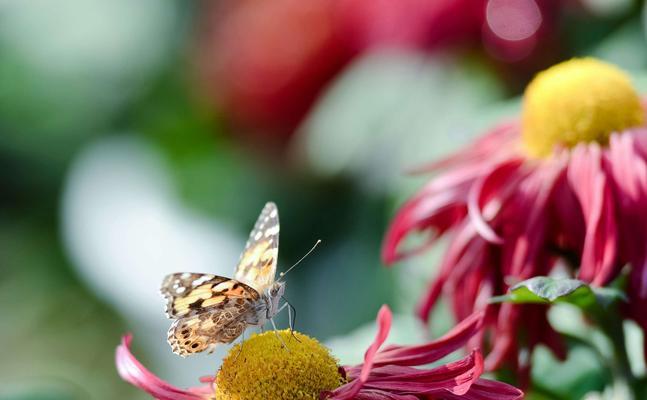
{"x":581,"y":100}
{"x":265,"y":369}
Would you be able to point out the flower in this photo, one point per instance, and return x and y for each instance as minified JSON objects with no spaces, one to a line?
{"x":135,"y":373}
{"x":262,"y":369}
{"x":389,"y":373}
{"x":266,"y":62}
{"x":265,"y":370}
{"x":567,"y":184}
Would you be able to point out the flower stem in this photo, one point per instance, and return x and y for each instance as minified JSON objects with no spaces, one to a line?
{"x":624,"y":381}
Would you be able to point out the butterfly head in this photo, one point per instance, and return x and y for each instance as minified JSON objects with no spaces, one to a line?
{"x":273,"y":295}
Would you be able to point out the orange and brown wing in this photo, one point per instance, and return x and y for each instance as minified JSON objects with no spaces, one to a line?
{"x":220,"y":324}
{"x":189,"y":294}
{"x":257,"y":264}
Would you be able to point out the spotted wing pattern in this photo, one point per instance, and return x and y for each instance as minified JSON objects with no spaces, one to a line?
{"x":188,"y":294}
{"x":205,"y":330}
{"x":257,"y":264}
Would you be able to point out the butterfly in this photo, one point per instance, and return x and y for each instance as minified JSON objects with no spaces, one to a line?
{"x":210,"y":309}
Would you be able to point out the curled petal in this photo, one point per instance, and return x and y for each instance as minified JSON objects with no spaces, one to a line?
{"x":384,"y":317}
{"x":491,"y":189}
{"x":134,"y":372}
{"x":463,"y":238}
{"x":435,"y":350}
{"x":455,"y":377}
{"x":500,"y":140}
{"x":436,"y":210}
{"x":484,"y":389}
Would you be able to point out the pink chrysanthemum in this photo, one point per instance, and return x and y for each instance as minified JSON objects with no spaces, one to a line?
{"x":568,"y":183}
{"x":263,"y":369}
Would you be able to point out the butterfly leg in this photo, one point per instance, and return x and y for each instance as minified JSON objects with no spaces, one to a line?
{"x":279,"y":336}
{"x":242,"y":343}
{"x":291,"y":320}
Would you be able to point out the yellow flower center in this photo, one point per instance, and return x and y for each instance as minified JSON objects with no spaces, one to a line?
{"x":580,"y":100}
{"x":265,"y":369}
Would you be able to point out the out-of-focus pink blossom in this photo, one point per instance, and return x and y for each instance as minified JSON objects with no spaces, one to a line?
{"x":265,"y":62}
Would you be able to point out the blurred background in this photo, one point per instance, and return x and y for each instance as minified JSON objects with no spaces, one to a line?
{"x":143,"y":138}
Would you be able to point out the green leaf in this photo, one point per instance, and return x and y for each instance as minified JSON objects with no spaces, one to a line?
{"x":545,"y":290}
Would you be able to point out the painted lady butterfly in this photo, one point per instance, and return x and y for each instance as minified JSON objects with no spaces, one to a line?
{"x":210,"y":309}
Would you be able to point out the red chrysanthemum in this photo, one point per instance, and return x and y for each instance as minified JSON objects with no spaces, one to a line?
{"x":566,"y":184}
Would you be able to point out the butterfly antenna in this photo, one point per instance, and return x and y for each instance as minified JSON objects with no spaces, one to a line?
{"x":282,"y":274}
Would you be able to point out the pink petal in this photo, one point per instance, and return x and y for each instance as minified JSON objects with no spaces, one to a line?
{"x":628,"y":166}
{"x":443,"y":202}
{"x":500,"y":141}
{"x":455,"y":377}
{"x":589,"y":183}
{"x":463,"y":238}
{"x":488,"y":189}
{"x":134,"y":372}
{"x":432,"y":351}
{"x":349,"y":391}
{"x":370,"y":394}
{"x":484,"y":389}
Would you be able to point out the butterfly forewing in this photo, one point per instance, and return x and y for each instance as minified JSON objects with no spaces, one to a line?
{"x":257,"y":264}
{"x":192,"y":293}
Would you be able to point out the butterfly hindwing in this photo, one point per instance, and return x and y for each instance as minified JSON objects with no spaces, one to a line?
{"x":189,"y":294}
{"x":257,"y":264}
{"x":203,"y":331}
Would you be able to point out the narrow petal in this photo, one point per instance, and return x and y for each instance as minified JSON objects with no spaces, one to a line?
{"x":455,"y":377}
{"x":429,"y":209}
{"x":589,"y":182}
{"x":489,"y":190}
{"x":500,"y":141}
{"x":349,"y":391}
{"x":462,"y":239}
{"x":134,"y":372}
{"x":370,"y":394}
{"x":432,"y":351}
{"x":484,"y":389}
{"x":443,"y":202}
{"x":628,"y":164}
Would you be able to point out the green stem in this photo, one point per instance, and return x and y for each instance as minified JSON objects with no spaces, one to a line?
{"x":624,"y":380}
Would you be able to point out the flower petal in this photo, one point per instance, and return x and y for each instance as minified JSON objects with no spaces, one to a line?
{"x":435,"y":350}
{"x":349,"y":391}
{"x":484,"y":389}
{"x":134,"y":372}
{"x":589,"y":182}
{"x":455,"y":377}
{"x":489,"y":189}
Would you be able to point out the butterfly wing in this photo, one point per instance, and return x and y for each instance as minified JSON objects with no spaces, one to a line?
{"x":188,"y":294}
{"x":203,"y":331}
{"x":257,"y":264}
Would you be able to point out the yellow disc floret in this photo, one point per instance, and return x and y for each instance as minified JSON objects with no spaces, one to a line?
{"x":580,"y":100}
{"x":265,"y":369}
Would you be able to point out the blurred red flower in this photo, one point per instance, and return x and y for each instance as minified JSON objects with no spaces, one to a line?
{"x":265,"y":62}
